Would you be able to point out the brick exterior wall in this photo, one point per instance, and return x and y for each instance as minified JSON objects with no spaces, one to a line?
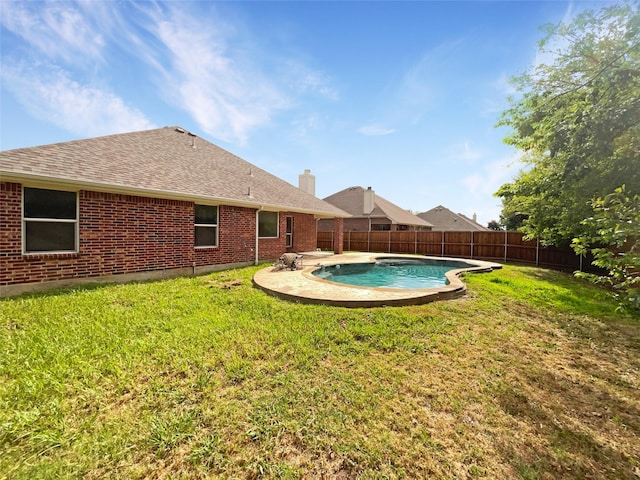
{"x":304,"y":232}
{"x":123,"y":234}
{"x":338,"y":235}
{"x":10,"y":230}
{"x":236,"y":238}
{"x":355,"y":224}
{"x":272,"y":248}
{"x":128,"y":234}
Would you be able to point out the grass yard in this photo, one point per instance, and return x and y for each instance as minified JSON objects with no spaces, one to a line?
{"x":532,"y":375}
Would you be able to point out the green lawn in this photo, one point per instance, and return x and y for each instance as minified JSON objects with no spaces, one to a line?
{"x":531,"y":375}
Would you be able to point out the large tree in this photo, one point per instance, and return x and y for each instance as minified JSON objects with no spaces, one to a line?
{"x":576,"y":119}
{"x":614,"y":242}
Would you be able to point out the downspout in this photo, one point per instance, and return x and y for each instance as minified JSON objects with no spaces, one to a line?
{"x":256,"y":261}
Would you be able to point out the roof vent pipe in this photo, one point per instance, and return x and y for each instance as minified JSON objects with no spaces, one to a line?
{"x":193,"y":139}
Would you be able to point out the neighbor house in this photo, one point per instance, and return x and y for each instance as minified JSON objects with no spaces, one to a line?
{"x":370,"y":212}
{"x":141,"y":205}
{"x":444,"y":220}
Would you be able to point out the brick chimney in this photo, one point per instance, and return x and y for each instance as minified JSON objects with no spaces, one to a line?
{"x":369,"y":201}
{"x":307,"y":182}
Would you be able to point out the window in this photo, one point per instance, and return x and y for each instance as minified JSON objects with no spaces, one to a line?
{"x":206,"y":226}
{"x":289,"y":232}
{"x":50,"y":220}
{"x":268,"y":224}
{"x":379,"y":227}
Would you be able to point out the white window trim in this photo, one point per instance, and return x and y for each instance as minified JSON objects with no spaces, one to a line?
{"x":277,"y":223}
{"x":288,"y":240}
{"x":209,"y":225}
{"x":25,"y":220}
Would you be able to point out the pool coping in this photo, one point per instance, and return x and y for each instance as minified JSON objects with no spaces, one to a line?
{"x":302,"y":286}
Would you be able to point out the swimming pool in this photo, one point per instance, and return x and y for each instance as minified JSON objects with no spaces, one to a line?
{"x":393,"y":272}
{"x":303,"y":286}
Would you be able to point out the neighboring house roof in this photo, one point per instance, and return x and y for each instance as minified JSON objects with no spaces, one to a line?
{"x":444,"y":219}
{"x":166,"y":162}
{"x":352,"y":200}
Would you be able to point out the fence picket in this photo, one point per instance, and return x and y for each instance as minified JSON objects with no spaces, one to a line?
{"x":499,"y":245}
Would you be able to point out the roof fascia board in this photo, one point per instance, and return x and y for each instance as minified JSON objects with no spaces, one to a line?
{"x":47,"y":181}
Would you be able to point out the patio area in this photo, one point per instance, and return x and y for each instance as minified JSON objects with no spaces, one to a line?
{"x":301,"y":286}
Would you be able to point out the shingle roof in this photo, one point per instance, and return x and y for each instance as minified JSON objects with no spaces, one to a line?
{"x":444,"y":219}
{"x":351,"y":200}
{"x":168,"y":162}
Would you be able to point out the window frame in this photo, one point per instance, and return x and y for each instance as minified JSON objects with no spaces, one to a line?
{"x":260,"y":213}
{"x":26,"y":220}
{"x":288,"y":234}
{"x":216,"y":226}
{"x":380,"y":227}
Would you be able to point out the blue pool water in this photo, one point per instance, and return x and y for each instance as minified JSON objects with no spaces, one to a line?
{"x":392,"y":273}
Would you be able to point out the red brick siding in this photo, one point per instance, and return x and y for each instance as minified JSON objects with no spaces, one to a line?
{"x":272,"y":248}
{"x":122,"y":234}
{"x":338,"y":235}
{"x":305,"y":236}
{"x":325,"y":225}
{"x":118,"y":234}
{"x":236,"y":238}
{"x":127,"y":234}
{"x":10,"y":229}
{"x":350,"y":224}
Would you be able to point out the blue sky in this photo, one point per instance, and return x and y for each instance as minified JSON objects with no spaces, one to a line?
{"x":399,"y":96}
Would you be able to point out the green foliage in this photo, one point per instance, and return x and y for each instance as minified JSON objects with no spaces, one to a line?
{"x":494,"y":225}
{"x":577,"y":121}
{"x":615,"y":245}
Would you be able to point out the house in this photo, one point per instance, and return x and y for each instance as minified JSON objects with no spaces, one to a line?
{"x":445,"y":220}
{"x":371,"y":212}
{"x":142,"y":205}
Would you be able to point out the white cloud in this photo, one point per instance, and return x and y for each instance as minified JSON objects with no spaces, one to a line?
{"x":375,"y":130}
{"x":220,"y":77}
{"x":552,"y":49}
{"x":420,"y":84}
{"x":465,"y":152}
{"x":212,"y":69}
{"x":58,"y":29}
{"x":495,"y":99}
{"x":50,"y":95}
{"x":302,"y":126}
{"x":303,"y":79}
{"x":493,"y":175}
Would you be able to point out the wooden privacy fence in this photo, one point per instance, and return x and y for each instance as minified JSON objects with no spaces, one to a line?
{"x":495,"y":245}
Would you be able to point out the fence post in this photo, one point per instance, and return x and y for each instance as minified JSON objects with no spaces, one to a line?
{"x":415,"y":242}
{"x":537,"y":252}
{"x":471,"y":243}
{"x":442,"y":250}
{"x":389,"y":242}
{"x":369,"y":241}
{"x":506,"y":236}
{"x":349,"y":232}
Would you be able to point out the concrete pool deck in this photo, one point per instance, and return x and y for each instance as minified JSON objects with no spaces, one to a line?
{"x":301,"y":286}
